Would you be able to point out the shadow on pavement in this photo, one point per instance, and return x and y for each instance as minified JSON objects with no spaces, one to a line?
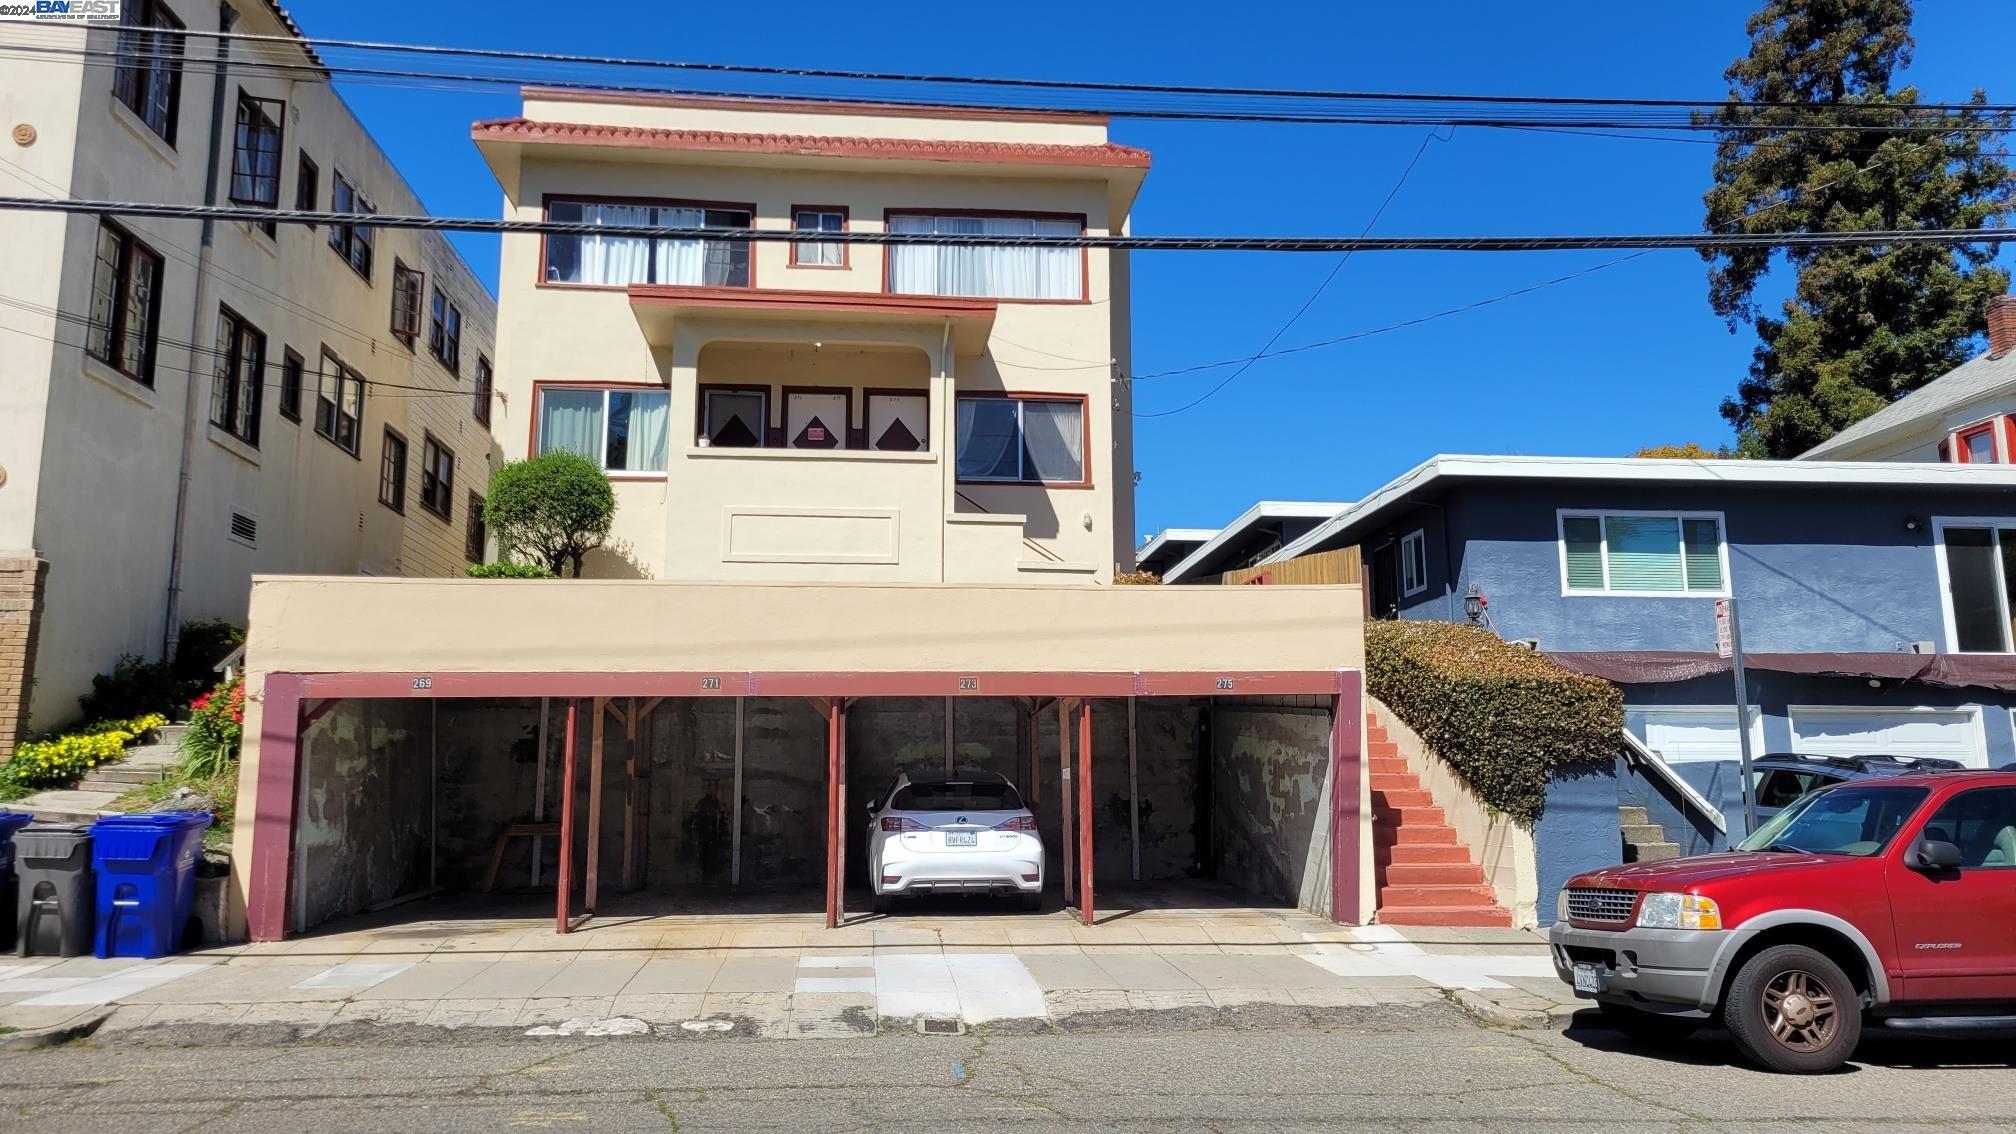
{"x":1929,"y":1048}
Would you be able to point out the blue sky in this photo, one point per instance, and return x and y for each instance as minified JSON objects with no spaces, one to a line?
{"x":1601,"y":365}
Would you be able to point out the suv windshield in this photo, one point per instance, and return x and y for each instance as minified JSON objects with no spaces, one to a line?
{"x":1855,"y":819}
{"x":956,"y":796}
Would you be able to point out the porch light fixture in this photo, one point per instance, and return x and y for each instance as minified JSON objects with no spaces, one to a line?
{"x":1474,"y":603}
{"x":1911,"y":523}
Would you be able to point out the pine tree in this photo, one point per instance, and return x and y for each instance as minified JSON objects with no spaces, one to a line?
{"x":1867,"y":324}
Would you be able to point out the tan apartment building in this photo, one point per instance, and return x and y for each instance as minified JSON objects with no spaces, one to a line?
{"x":184,"y":404}
{"x":775,"y":410}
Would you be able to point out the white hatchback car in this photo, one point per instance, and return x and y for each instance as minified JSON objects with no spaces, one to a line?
{"x":953,"y":835}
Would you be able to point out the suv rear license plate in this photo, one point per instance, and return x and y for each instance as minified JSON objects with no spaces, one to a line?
{"x":1588,"y":978}
{"x":962,"y":838}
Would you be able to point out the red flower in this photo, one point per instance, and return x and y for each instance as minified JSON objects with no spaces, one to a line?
{"x":202,"y":702}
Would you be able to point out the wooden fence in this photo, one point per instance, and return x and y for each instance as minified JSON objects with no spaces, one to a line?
{"x":1339,"y":566}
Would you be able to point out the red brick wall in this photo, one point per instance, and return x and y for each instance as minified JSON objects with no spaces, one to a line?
{"x":21,"y":579}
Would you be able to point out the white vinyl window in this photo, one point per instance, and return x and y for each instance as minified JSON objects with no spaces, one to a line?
{"x":622,"y":429}
{"x":1414,"y":564}
{"x":1975,"y":576}
{"x":821,"y":255}
{"x":1645,"y":554}
{"x":980,"y":270}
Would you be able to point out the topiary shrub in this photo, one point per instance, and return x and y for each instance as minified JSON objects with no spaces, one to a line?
{"x":553,"y":508}
{"x":1504,"y":717}
{"x":511,"y":571}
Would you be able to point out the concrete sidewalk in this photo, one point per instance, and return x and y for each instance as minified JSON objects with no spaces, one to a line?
{"x":785,"y":975}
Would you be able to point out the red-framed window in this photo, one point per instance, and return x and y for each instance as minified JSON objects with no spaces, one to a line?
{"x":1979,"y":444}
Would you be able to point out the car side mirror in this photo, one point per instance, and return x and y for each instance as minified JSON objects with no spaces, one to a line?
{"x":1932,"y":856}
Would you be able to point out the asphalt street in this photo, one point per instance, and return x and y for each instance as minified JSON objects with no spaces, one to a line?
{"x":1392,"y":1069}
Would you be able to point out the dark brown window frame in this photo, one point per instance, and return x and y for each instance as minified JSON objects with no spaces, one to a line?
{"x":238,"y":384}
{"x":293,"y":370}
{"x":246,"y":183}
{"x":444,"y":331}
{"x":307,"y":185}
{"x":486,"y":383}
{"x":133,"y":81}
{"x":765,"y":439}
{"x":545,"y":244}
{"x":409,"y":286}
{"x":1084,"y":254}
{"x":346,"y":378}
{"x":475,"y":534}
{"x":432,"y":483}
{"x":1084,"y":402}
{"x":353,"y":242}
{"x":130,"y":246}
{"x":391,"y":473}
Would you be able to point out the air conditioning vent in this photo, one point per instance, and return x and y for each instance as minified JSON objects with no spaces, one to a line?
{"x":244,"y":528}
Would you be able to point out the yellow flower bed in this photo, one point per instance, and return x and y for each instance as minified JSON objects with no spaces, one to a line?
{"x":64,"y":759}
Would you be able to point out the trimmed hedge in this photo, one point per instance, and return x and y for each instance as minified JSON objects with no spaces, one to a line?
{"x":511,"y":571}
{"x":1503,"y":716}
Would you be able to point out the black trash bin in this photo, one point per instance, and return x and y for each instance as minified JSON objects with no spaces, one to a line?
{"x":10,"y":822}
{"x":58,"y":890}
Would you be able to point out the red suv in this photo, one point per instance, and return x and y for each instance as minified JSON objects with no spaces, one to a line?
{"x":1880,"y":898}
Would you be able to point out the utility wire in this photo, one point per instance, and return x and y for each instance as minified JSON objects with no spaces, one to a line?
{"x":1641,"y":121}
{"x":1364,"y":243}
{"x":1313,"y":296}
{"x":1105,"y":87}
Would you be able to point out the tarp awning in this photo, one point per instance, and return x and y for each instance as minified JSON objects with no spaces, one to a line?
{"x":1641,"y":667}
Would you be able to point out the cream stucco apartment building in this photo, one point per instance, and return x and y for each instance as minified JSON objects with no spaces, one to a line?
{"x":792,"y":411}
{"x":183,"y":406}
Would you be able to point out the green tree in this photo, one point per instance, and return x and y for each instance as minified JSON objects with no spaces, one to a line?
{"x":1864,"y":324}
{"x":555,"y":508}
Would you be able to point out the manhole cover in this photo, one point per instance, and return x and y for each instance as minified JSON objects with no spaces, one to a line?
{"x":932,"y":1027}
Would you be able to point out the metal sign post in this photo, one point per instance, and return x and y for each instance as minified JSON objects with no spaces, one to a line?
{"x":1729,"y":644}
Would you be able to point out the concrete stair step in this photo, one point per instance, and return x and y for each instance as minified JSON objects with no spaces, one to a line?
{"x":1482,"y":917}
{"x":1414,"y":796}
{"x":1413,"y":834}
{"x":1465,"y":873}
{"x":1633,"y":816}
{"x":1395,"y":781}
{"x":1390,"y":855}
{"x":1644,"y":833}
{"x":1391,"y":765}
{"x":1378,"y":748}
{"x":110,"y":787}
{"x":127,"y":775}
{"x":151,"y":756}
{"x":1408,"y":816}
{"x":1437,"y":896}
{"x":1652,"y":852}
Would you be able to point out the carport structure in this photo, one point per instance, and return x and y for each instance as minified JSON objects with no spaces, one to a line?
{"x":608,"y":655}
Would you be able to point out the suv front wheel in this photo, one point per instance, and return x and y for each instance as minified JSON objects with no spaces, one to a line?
{"x":1792,"y":1009}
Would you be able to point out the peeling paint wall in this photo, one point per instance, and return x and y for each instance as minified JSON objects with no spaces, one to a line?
{"x":364,"y":835}
{"x":1268,"y":771}
{"x":488,"y":754}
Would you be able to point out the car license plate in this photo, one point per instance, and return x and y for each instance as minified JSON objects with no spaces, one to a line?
{"x":962,"y":838}
{"x":1588,"y":978}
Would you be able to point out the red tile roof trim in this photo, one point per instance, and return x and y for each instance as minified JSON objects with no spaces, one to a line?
{"x":1107,"y":154}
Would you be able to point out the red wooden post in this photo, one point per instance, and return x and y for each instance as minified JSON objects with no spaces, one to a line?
{"x":1064,"y":798}
{"x":833,"y":816}
{"x":594,"y":871}
{"x":280,"y":729}
{"x":1347,"y":766}
{"x":1085,"y":810}
{"x":566,"y":873}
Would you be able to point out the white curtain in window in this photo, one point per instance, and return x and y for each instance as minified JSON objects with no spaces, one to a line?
{"x":1053,"y":441}
{"x":649,"y":429}
{"x":571,"y":420}
{"x":987,"y":436}
{"x":680,"y":261}
{"x":989,"y":271}
{"x":617,"y":260}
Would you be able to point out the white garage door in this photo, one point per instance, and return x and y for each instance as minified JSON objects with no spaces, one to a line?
{"x":1686,"y":735}
{"x":1951,"y":734}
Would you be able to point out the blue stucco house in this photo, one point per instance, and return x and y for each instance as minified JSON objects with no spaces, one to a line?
{"x":1875,"y":602}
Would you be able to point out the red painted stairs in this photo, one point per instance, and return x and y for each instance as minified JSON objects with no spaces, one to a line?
{"x":1423,"y":874}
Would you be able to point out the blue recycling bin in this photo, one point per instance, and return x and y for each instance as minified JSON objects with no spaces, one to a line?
{"x":10,"y":881}
{"x":146,"y":866}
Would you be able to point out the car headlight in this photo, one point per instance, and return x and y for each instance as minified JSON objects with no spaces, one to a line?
{"x":1561,"y":906}
{"x":1678,"y":911}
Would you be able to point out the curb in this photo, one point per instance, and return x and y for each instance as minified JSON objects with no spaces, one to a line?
{"x":1492,"y":1012}
{"x":75,"y":1028}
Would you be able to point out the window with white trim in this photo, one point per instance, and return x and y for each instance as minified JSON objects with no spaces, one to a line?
{"x":1976,"y":567}
{"x":1642,"y":553}
{"x":623,"y":429}
{"x":1414,"y":564}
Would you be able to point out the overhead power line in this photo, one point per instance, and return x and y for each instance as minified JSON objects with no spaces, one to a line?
{"x":1897,"y":119}
{"x":1012,"y":83}
{"x":1111,"y":242}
